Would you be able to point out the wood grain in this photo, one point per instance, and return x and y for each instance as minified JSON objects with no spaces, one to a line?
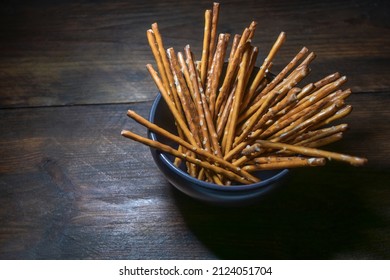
{"x":87,"y":53}
{"x":71,"y":187}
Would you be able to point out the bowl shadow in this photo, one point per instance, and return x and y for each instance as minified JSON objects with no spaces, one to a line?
{"x":316,"y":215}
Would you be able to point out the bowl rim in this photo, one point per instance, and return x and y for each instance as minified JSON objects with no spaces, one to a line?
{"x":263,"y":183}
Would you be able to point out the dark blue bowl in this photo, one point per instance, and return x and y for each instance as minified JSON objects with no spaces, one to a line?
{"x":198,"y":189}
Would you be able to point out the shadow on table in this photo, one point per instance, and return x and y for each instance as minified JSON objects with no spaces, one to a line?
{"x":321,"y":214}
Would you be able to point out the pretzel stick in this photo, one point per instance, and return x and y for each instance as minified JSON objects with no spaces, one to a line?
{"x":167,"y":68}
{"x":282,"y":125}
{"x":316,"y":96}
{"x":209,"y":121}
{"x":213,"y":33}
{"x":325,"y":141}
{"x":236,"y":41}
{"x":231,"y":129}
{"x":305,"y":123}
{"x":326,"y":80}
{"x":247,"y":75}
{"x":215,"y":71}
{"x":167,"y":149}
{"x":339,"y":114}
{"x":155,"y":46}
{"x":290,"y":163}
{"x":161,"y":51}
{"x":307,"y":89}
{"x":206,"y":46}
{"x":249,"y":125}
{"x":178,"y":118}
{"x":251,"y":65}
{"x":224,"y":116}
{"x":313,"y":135}
{"x":356,"y":161}
{"x":293,"y":78}
{"x":201,"y":152}
{"x":261,"y":73}
{"x":272,"y":159}
{"x":156,"y":53}
{"x":290,"y":98}
{"x":255,"y":84}
{"x":197,"y":98}
{"x":186,"y":73}
{"x":231,"y":71}
{"x":280,"y":76}
{"x":184,"y":95}
{"x":252,"y":29}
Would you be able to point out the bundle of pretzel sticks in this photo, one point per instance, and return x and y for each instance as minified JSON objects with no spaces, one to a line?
{"x":234,"y":118}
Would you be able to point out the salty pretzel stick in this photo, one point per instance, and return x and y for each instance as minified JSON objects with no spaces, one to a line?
{"x":206,"y":46}
{"x":292,"y":162}
{"x":305,"y":123}
{"x":197,"y":98}
{"x":259,"y":78}
{"x":313,"y":135}
{"x":252,"y":29}
{"x":339,"y":114}
{"x":309,"y":88}
{"x":261,"y":73}
{"x":290,"y":98}
{"x":156,"y":53}
{"x":304,"y":63}
{"x":231,"y":71}
{"x":209,"y":121}
{"x":224,"y":116}
{"x":305,"y":91}
{"x":278,"y":78}
{"x":236,"y":41}
{"x":161,"y":50}
{"x":155,"y":43}
{"x":356,"y":161}
{"x":291,"y":81}
{"x":213,"y":33}
{"x":326,"y":80}
{"x":210,"y":157}
{"x":315,"y":96}
{"x":324,"y":141}
{"x":282,"y":125}
{"x":186,"y":73}
{"x":272,"y":159}
{"x":341,"y":95}
{"x":252,"y":61}
{"x":167,"y":149}
{"x":167,"y":68}
{"x":231,"y":129}
{"x":215,"y":71}
{"x":249,"y":124}
{"x":171,"y":105}
{"x":184,"y":95}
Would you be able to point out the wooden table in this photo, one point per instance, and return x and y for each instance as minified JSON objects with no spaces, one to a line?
{"x":71,"y":187}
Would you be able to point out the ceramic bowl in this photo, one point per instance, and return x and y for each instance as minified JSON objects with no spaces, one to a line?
{"x":198,"y":189}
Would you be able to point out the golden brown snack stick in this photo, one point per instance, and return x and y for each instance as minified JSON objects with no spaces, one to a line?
{"x":356,"y":161}
{"x":199,"y":151}
{"x":204,"y":164}
{"x":206,"y":47}
{"x":292,"y":162}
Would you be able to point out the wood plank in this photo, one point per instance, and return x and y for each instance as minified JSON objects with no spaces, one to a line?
{"x":64,"y":53}
{"x":71,"y":187}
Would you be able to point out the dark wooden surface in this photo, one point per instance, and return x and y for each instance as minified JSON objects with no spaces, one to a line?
{"x":72,"y":188}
